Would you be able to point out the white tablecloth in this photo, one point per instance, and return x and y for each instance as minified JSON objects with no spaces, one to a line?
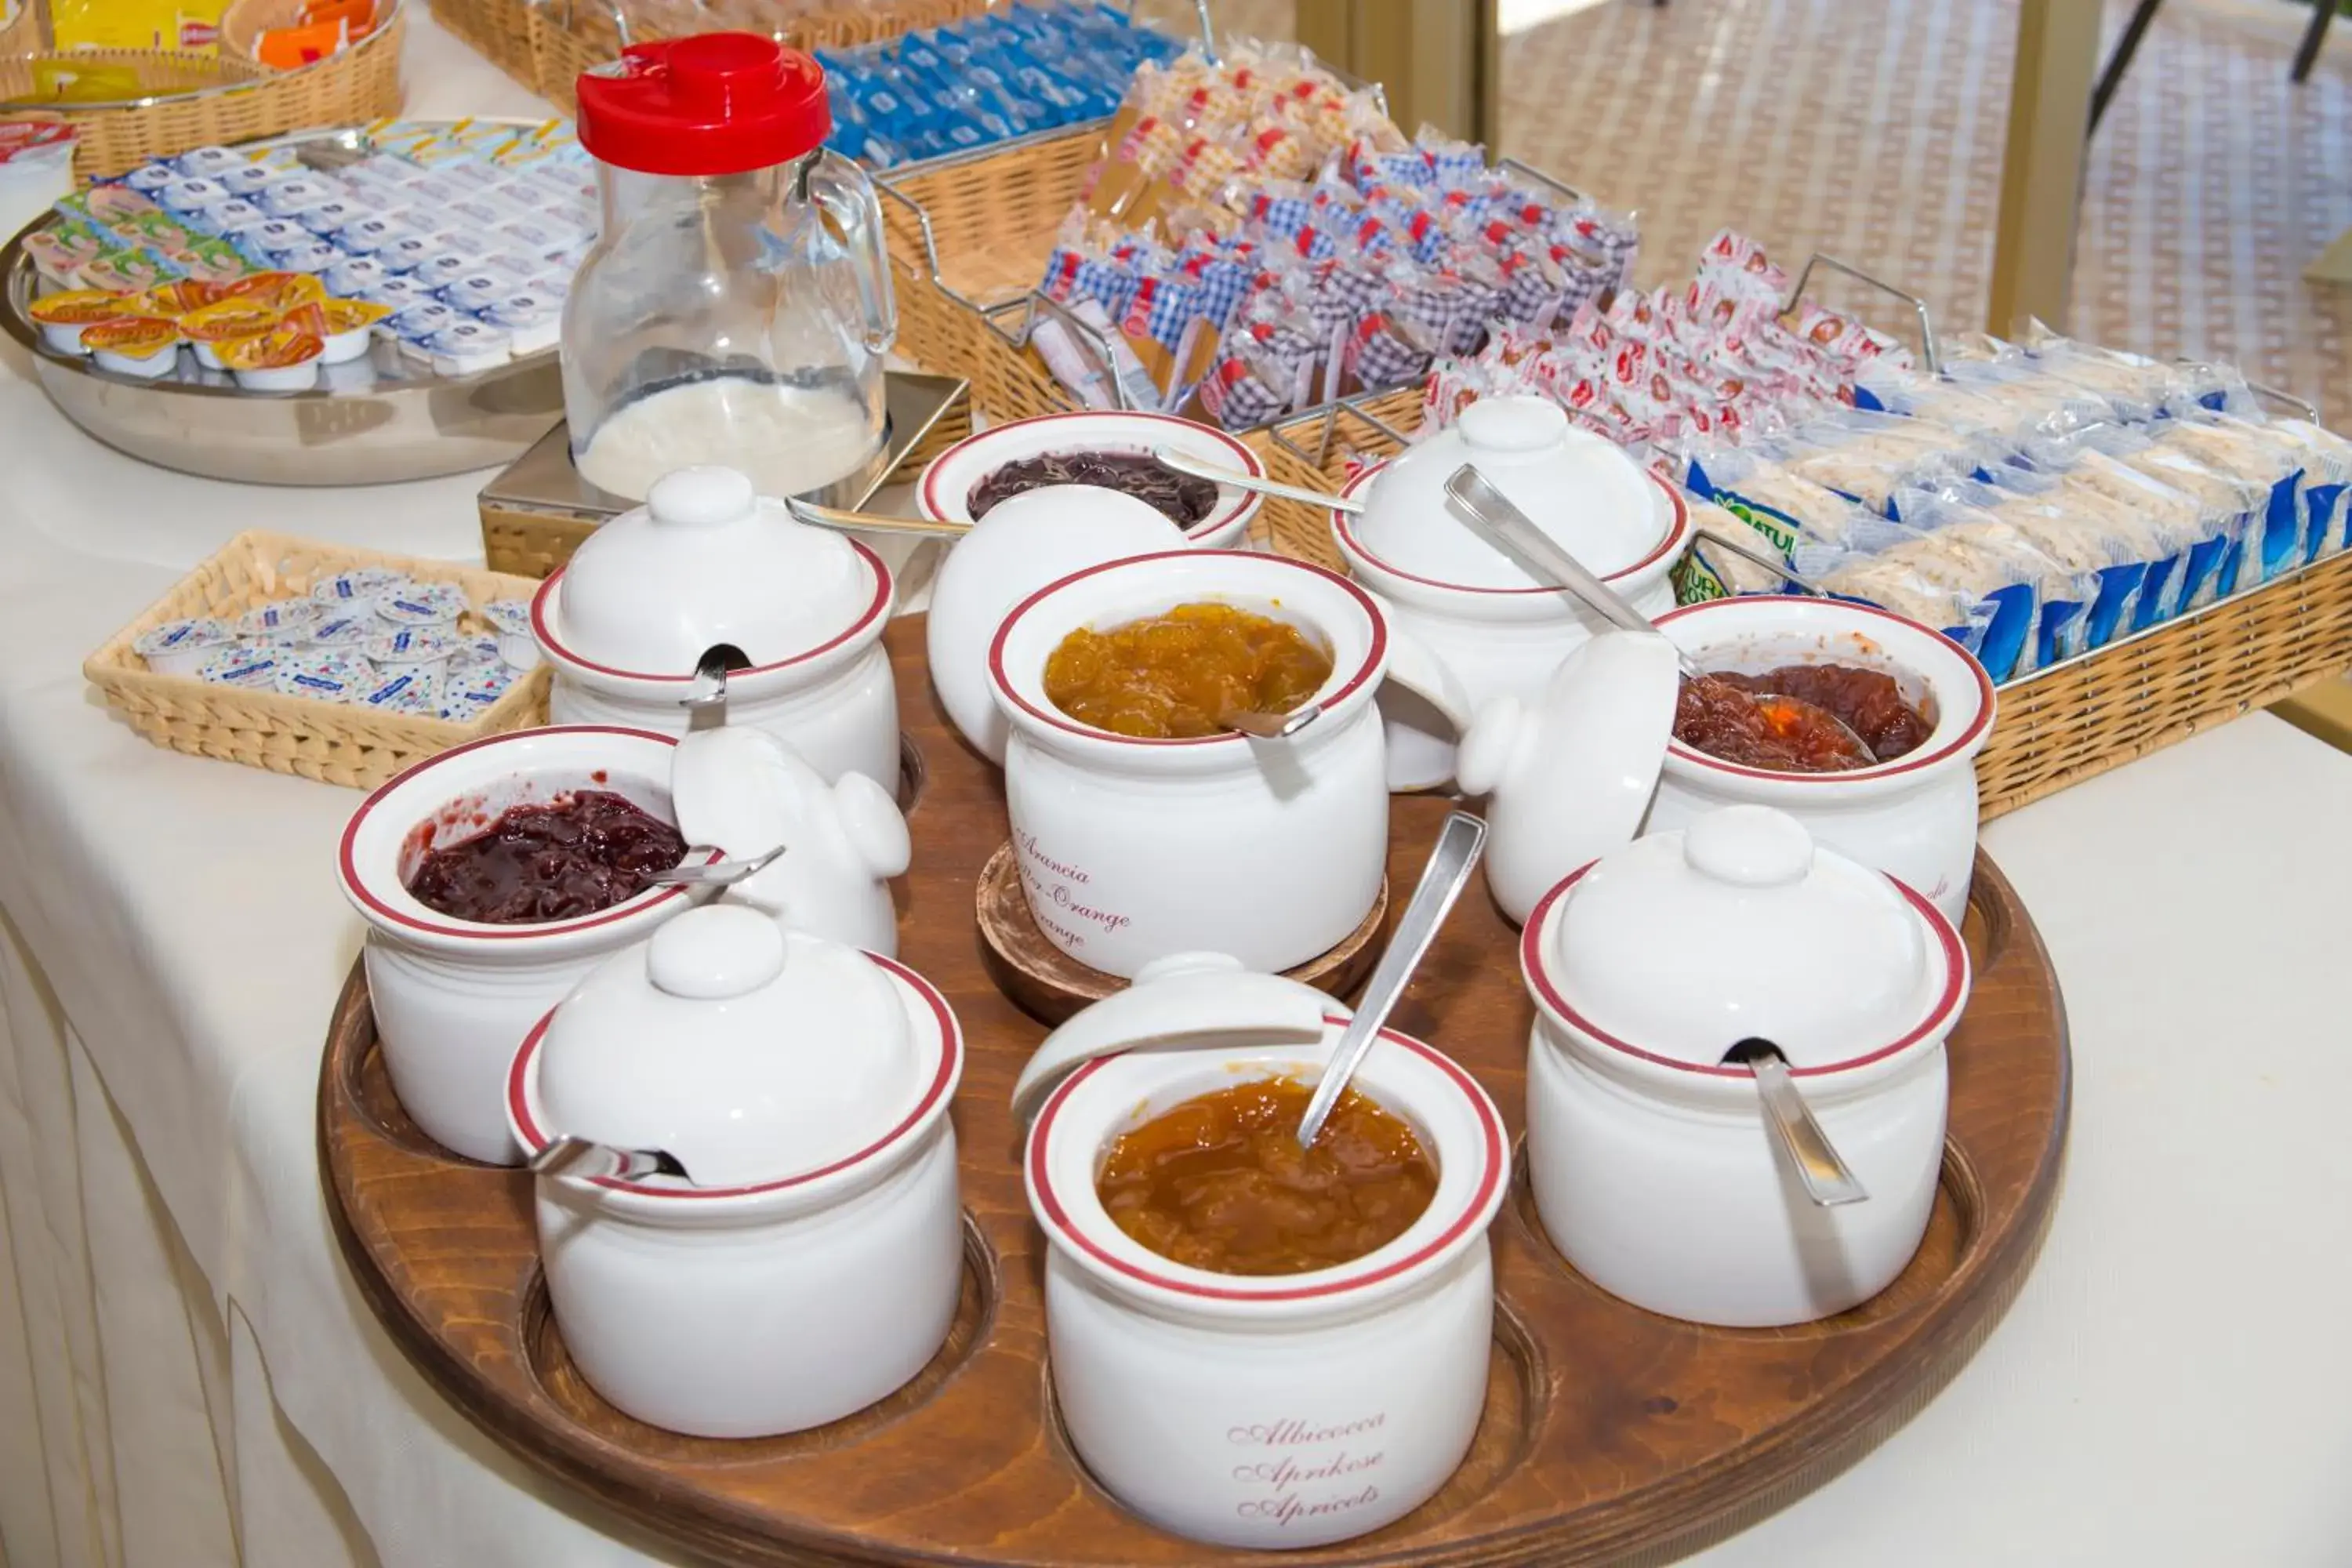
{"x":186,"y":1377}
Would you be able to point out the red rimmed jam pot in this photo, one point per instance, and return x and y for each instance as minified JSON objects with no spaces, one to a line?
{"x":453,"y":995}
{"x":1271,"y":1410}
{"x":1648,"y":1155}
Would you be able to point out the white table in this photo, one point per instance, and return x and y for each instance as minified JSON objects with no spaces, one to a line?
{"x":186,"y":1377}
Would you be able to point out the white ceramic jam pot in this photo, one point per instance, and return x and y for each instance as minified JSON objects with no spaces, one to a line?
{"x":1914,"y":817}
{"x":805,"y":1086}
{"x":706,"y":562}
{"x":1133,"y":849}
{"x":1025,"y":543}
{"x":452,"y":996}
{"x":1498,"y":629}
{"x":944,"y":493}
{"x":1649,"y":1158}
{"x":745,"y":791}
{"x":1258,"y":1411}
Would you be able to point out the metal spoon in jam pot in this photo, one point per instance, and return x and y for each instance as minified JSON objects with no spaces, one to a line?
{"x":1218,"y":474}
{"x":1442,"y":881}
{"x":1493,"y":514}
{"x":583,"y":1159}
{"x":1826,"y":1179}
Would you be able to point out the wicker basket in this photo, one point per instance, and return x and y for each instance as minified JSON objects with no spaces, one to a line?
{"x":201,"y":101}
{"x":568,"y":36}
{"x":503,"y":32}
{"x":2055,"y":727}
{"x":530,"y":543}
{"x":292,"y":734}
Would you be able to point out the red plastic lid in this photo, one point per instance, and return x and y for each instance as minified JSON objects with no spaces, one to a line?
{"x":717,"y":103}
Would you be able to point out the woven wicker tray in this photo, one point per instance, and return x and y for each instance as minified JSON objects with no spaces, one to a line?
{"x":292,"y":734}
{"x":201,"y":101}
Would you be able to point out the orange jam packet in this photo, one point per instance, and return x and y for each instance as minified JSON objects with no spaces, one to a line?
{"x":132,"y":338}
{"x":173,"y":301}
{"x":350,"y":315}
{"x":278,"y":291}
{"x":79,"y":308}
{"x":226,"y":319}
{"x":279,"y":348}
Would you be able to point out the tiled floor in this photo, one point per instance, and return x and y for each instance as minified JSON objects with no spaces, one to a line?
{"x":1873,"y":130}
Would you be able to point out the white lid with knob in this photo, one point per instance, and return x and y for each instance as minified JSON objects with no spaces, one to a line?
{"x":708,"y":560}
{"x":1183,"y":1001}
{"x":1580,"y":488}
{"x":749,"y":1052}
{"x":1684,"y":943}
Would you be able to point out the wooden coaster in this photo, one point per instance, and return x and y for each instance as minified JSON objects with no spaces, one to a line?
{"x":1049,"y":984}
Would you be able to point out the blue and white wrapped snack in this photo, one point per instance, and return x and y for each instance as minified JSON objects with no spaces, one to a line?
{"x":248,"y":180}
{"x":182,"y":648}
{"x":298,"y":194}
{"x":327,"y":217}
{"x":469,"y":693}
{"x":273,"y":237}
{"x":252,"y":667}
{"x":467,"y":348}
{"x":282,"y":621}
{"x":359,"y":588}
{"x":410,"y":251}
{"x":510,"y":620}
{"x":476,"y":291}
{"x":414,"y":326}
{"x":434,"y":605}
{"x":352,"y":276}
{"x":185,"y":196}
{"x":399,"y":291}
{"x":341,"y":629}
{"x":412,"y":647}
{"x":440,"y":271}
{"x":316,"y":257}
{"x":411,"y":692}
{"x":371,"y":235}
{"x":325,"y":675}
{"x":148,"y":178}
{"x":227,"y":217}
{"x":206,"y":162}
{"x":533,"y":321}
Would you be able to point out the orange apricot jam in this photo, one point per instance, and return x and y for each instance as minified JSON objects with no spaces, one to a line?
{"x":1220,"y":1181}
{"x":1171,"y":675}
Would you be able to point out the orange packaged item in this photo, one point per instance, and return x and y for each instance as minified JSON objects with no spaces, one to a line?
{"x":63,"y":316}
{"x":352,"y":315}
{"x":279,"y":292}
{"x":172,"y":300}
{"x":138,"y":346}
{"x":223,"y":322}
{"x":283,"y":359}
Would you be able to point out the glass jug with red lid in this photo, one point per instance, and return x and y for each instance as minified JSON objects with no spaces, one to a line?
{"x":737,"y":305}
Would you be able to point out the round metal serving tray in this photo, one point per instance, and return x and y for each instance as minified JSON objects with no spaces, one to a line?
{"x":373,"y":421}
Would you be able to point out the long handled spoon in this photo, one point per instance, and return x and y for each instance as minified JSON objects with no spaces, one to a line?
{"x":1271,"y":726}
{"x":713,"y":873}
{"x":1493,"y":514}
{"x":1217,"y":473}
{"x":584,"y":1159}
{"x":841,"y":522}
{"x":1825,"y":1177}
{"x":1442,"y":880}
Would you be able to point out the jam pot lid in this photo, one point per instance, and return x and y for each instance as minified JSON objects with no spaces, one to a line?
{"x":715,"y":103}
{"x":1681,"y":944}
{"x":1579,"y":487}
{"x":742,"y":789}
{"x":708,"y":560}
{"x":1183,"y":1001}
{"x":751,"y":1053}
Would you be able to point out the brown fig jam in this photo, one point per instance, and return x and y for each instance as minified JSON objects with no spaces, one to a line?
{"x":1721,"y":717}
{"x":574,"y":855}
{"x":1179,"y":497}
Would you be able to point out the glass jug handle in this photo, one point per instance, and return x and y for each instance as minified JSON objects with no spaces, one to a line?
{"x":843,"y":190}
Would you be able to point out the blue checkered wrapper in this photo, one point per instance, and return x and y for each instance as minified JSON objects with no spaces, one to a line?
{"x":1283,"y":215}
{"x":1452,"y":164}
{"x":1163,"y":306}
{"x":1222,"y":281}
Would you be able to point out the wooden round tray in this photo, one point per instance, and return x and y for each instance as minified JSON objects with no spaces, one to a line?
{"x":1609,"y":1433}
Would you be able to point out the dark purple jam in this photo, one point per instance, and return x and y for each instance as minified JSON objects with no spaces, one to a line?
{"x":1180,"y":497}
{"x":570,"y":857}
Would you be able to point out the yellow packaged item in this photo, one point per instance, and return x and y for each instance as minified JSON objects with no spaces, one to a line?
{"x":185,"y":26}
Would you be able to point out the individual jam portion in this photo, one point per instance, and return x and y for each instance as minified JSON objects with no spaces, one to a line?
{"x":1180,"y":497}
{"x":558,"y":861}
{"x":1220,"y":1182}
{"x":1721,"y":716}
{"x":1170,"y":677}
